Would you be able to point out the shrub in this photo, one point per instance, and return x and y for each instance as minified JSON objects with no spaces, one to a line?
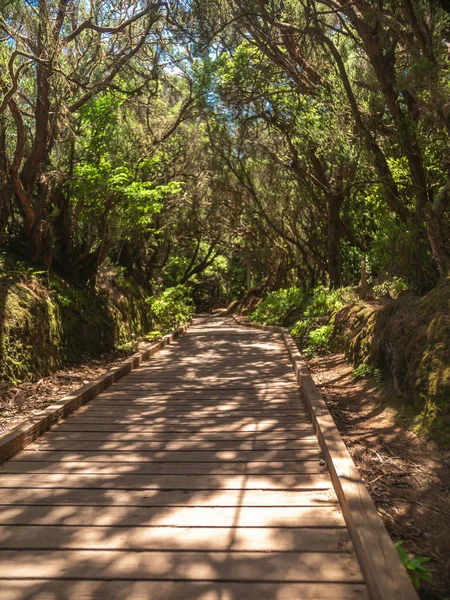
{"x":314,"y":331}
{"x":277,"y":306}
{"x":325,"y":302}
{"x":364,"y":371}
{"x":415,"y":566}
{"x":171,"y":309}
{"x":319,"y":339}
{"x":300,"y":330}
{"x":392,"y":287}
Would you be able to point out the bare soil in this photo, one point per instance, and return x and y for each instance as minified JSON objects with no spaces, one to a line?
{"x":407,"y":477}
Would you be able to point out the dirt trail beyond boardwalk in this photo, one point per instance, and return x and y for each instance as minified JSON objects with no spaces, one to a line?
{"x":197,"y":476}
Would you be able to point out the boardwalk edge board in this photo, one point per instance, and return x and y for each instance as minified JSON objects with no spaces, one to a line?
{"x":18,"y":438}
{"x":385,"y":575}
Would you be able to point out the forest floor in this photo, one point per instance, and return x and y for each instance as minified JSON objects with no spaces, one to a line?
{"x":408,"y":478}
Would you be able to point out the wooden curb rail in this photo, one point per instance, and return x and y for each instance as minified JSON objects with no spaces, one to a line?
{"x":15,"y":440}
{"x":385,"y":575}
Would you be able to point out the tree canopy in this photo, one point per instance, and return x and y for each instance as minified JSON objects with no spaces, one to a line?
{"x":231,"y":145}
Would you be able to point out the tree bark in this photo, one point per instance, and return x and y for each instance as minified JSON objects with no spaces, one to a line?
{"x":438,"y":237}
{"x":334,"y":203}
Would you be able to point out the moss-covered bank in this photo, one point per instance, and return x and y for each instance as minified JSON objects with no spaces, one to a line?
{"x":409,"y":340}
{"x":47,"y":323}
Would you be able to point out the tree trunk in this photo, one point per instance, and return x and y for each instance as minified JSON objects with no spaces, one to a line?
{"x":62,"y":227}
{"x":5,"y":191}
{"x":436,"y":227}
{"x":334,"y":203}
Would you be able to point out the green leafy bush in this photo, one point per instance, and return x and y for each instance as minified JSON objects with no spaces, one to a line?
{"x":314,"y":332}
{"x":364,"y":371}
{"x":277,"y":306}
{"x":415,"y":566}
{"x":171,"y":309}
{"x":300,"y":330}
{"x":154,"y":336}
{"x":324,"y":302}
{"x":392,"y":287}
{"x":319,"y":339}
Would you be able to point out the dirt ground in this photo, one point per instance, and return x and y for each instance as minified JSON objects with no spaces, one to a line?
{"x":408,"y":478}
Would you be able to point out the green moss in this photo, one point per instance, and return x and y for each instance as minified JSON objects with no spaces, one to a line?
{"x":43,"y":327}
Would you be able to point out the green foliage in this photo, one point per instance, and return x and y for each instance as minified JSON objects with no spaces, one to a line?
{"x":45,"y":327}
{"x":314,"y":331}
{"x":278,"y":305}
{"x":299,"y":331}
{"x":128,"y":346}
{"x":391,"y":287}
{"x":48,"y":323}
{"x":14,"y":269}
{"x":365,"y":371}
{"x":415,"y":566}
{"x":399,"y":251}
{"x":172,"y":308}
{"x":319,"y":340}
{"x":154,"y":336}
{"x":324,"y":302}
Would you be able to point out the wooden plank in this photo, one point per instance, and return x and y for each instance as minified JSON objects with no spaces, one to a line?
{"x":190,"y":566}
{"x":213,"y":434}
{"x":187,"y":456}
{"x":107,"y":497}
{"x":177,"y":590}
{"x":149,"y":402}
{"x":177,"y":405}
{"x":126,"y":416}
{"x":178,"y":444}
{"x":130,"y":410}
{"x":171,"y":482}
{"x":149,"y":386}
{"x":174,"y":395}
{"x":215,"y":539}
{"x":180,"y":425}
{"x":152,"y":380}
{"x":152,"y":401}
{"x":239,"y":467}
{"x":152,"y":373}
{"x":149,"y":416}
{"x":244,"y":370}
{"x":186,"y":516}
{"x":146,"y":411}
{"x":190,"y":395}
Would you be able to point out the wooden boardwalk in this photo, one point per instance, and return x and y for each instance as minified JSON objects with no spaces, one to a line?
{"x":197,"y":476}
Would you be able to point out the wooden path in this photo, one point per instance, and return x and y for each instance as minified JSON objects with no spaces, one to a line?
{"x":197,"y":476}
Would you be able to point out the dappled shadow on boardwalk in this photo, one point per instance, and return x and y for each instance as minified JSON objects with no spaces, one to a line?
{"x":197,"y":476}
